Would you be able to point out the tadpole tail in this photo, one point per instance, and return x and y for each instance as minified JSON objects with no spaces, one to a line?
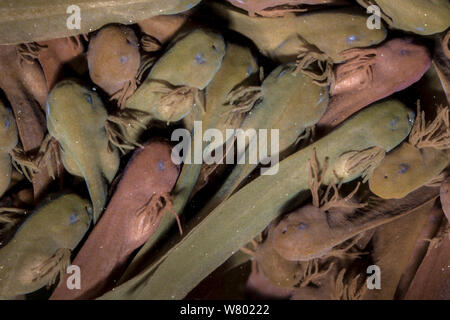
{"x":98,"y":189}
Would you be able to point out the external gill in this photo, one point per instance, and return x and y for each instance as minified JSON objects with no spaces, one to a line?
{"x":242,"y":99}
{"x":355,"y":61}
{"x":435,"y":134}
{"x":29,"y":52}
{"x":24,"y":163}
{"x":328,"y":200}
{"x":49,"y":150}
{"x":10,"y":217}
{"x":153,"y":210}
{"x":343,"y":291}
{"x":310,"y":55}
{"x":365,"y":161}
{"x":313,"y":272}
{"x":131,"y":85}
{"x":150,"y":43}
{"x":172,"y":96}
{"x":116,"y":125}
{"x":54,"y":266}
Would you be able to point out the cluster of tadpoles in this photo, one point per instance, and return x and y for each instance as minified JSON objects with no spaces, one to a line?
{"x":86,"y":164}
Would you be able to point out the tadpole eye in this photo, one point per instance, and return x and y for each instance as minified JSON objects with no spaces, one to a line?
{"x":284,"y":230}
{"x":123,"y":59}
{"x":403,"y":167}
{"x":88,"y":98}
{"x":215,"y":48}
{"x":199,"y":59}
{"x":74,"y":218}
{"x":7,"y":124}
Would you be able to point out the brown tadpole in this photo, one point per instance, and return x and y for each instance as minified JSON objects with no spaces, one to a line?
{"x":159,"y":30}
{"x":114,"y":60}
{"x":57,"y":54}
{"x":308,"y":232}
{"x":25,"y":87}
{"x":369,"y":75}
{"x":133,"y":214}
{"x":313,"y":230}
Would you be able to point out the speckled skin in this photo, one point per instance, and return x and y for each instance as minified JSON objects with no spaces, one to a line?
{"x":331,"y":31}
{"x":76,"y":118}
{"x":105,"y":253}
{"x":8,"y":140}
{"x":262,"y":7}
{"x":397,"y":64}
{"x":406,"y":169}
{"x":60,"y":223}
{"x":113,"y":57}
{"x":423,"y":17}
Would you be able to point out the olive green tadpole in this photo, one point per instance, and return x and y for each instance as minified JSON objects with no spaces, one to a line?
{"x":420,"y":161}
{"x":227,"y":99}
{"x":24,"y":21}
{"x":76,"y":118}
{"x":290,"y":103}
{"x":114,"y":59}
{"x":313,"y":39}
{"x":423,"y":17}
{"x":41,"y":248}
{"x":174,"y":87}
